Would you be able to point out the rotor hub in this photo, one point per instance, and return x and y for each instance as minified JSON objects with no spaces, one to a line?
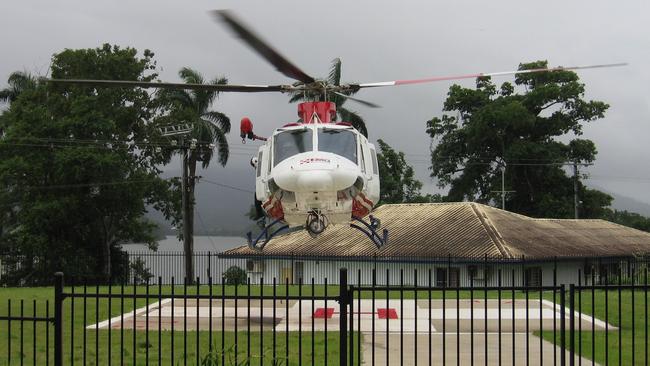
{"x":325,"y":111}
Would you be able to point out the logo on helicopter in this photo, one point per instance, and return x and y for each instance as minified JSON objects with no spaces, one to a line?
{"x":314,"y":160}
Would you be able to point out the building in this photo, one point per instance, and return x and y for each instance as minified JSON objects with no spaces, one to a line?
{"x":450,"y":244}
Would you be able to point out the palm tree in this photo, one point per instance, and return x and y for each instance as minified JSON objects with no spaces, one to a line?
{"x":209,"y":129}
{"x":18,"y":81}
{"x":334,"y":78}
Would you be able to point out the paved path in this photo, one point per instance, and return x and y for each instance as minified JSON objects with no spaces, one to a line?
{"x":536,"y":352}
{"x":405,"y":325}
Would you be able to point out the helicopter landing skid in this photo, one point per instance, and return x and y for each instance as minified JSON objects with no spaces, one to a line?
{"x":258,"y":244}
{"x":371,"y":231}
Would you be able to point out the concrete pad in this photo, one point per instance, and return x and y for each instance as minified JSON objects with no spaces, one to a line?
{"x":461,"y":345}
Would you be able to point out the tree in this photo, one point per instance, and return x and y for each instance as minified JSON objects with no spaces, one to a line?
{"x":18,"y":81}
{"x":76,"y":172}
{"x":397,"y":179}
{"x":334,"y":78}
{"x":494,"y":128}
{"x":209,"y":129}
{"x":626,"y":218}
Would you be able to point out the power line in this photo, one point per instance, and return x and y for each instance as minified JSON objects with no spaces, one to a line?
{"x":95,"y":184}
{"x":621,"y":179}
{"x":550,"y":163}
{"x":225,"y":186}
{"x":214,"y":245}
{"x":54,"y":142}
{"x":97,"y":147}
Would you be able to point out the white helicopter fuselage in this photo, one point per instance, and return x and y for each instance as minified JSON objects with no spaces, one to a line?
{"x":324,"y":169}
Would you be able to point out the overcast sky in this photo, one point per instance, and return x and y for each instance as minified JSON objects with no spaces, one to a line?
{"x":377,"y":41}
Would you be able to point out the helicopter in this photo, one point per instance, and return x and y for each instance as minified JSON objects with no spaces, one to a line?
{"x":317,"y":171}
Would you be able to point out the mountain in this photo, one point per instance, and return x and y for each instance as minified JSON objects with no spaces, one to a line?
{"x":630,"y":204}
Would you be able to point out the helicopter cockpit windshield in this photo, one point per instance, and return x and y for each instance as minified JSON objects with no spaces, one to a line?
{"x":289,"y":143}
{"x":339,"y":142}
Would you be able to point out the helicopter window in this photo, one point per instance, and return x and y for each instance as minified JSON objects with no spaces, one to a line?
{"x":289,"y":143}
{"x":363,"y":161}
{"x":258,"y":168}
{"x":375,"y":168}
{"x":339,"y":142}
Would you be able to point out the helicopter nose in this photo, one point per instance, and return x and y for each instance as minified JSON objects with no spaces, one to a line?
{"x":316,"y":180}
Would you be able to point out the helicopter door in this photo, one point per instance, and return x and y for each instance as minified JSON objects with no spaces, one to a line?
{"x":261,"y":172}
{"x":373,"y":170}
{"x":375,"y":165}
{"x":365,"y":163}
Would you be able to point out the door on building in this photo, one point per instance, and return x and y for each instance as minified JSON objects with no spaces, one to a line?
{"x":533,"y":277}
{"x":285,"y":275}
{"x":298,"y":271}
{"x":454,"y":277}
{"x":441,"y":277}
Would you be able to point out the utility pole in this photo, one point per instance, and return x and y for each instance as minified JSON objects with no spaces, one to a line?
{"x":186,"y":202}
{"x":188,"y":235}
{"x":576,"y":201}
{"x":575,"y":189}
{"x":503,"y":191}
{"x":503,"y":187}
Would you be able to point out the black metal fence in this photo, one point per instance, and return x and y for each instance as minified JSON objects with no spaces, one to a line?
{"x":409,"y":321}
{"x":448,"y":270}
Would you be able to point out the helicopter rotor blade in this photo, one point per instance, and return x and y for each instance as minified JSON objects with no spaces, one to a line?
{"x":473,"y":76}
{"x":161,"y":85}
{"x":361,"y":101}
{"x":280,"y":62}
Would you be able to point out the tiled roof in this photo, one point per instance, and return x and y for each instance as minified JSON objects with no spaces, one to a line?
{"x":462,"y":230}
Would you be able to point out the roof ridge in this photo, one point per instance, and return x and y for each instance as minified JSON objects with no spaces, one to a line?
{"x":620,"y":225}
{"x":426,"y":203}
{"x":491,"y":230}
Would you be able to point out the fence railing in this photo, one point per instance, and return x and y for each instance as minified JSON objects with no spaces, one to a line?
{"x":341,"y":322}
{"x":448,"y":271}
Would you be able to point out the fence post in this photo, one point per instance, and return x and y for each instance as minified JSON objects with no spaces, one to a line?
{"x":343,"y":313}
{"x":572,"y":324}
{"x":562,"y":325}
{"x":58,"y":319}
{"x":209,"y":264}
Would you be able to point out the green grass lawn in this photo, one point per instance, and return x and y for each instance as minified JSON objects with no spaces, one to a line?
{"x":122,"y":342}
{"x":74,"y":327}
{"x":632,"y":324}
{"x":129,"y":346}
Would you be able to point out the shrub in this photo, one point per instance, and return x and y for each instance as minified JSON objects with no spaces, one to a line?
{"x":235,"y":276}
{"x":141,"y":274}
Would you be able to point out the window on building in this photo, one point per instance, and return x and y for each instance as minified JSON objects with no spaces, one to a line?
{"x":609,"y":272}
{"x":478,"y":272}
{"x":447,"y":277}
{"x":254,"y":266}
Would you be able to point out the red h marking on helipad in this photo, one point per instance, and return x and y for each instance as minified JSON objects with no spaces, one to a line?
{"x":320,"y":313}
{"x":389,"y":313}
